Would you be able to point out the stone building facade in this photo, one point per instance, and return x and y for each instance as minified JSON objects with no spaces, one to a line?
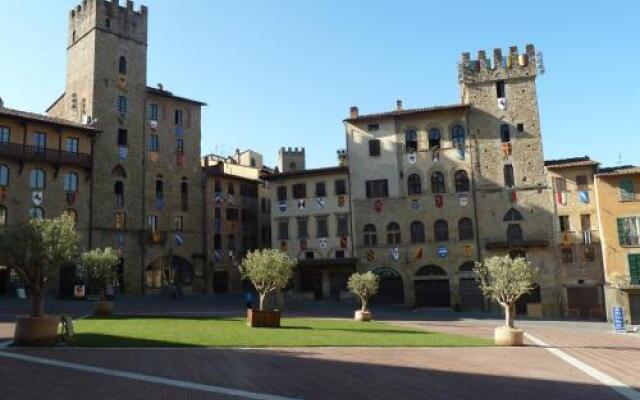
{"x":311,"y":221}
{"x":617,"y":192}
{"x":577,"y":237}
{"x":45,"y":169}
{"x":147,"y":171}
{"x":449,"y":185}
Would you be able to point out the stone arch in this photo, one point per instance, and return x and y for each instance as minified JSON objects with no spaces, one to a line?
{"x":167,"y":270}
{"x":430,"y":271}
{"x":391,"y":289}
{"x":512,"y":215}
{"x":431,"y":285}
{"x":467,"y":266}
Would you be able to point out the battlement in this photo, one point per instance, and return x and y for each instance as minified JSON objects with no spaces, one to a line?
{"x":513,"y":65}
{"x":289,"y":151}
{"x":108,"y":15}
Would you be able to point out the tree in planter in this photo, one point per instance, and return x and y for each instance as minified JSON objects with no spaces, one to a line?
{"x":505,"y":279}
{"x":98,"y":265}
{"x":364,"y":285}
{"x":268,"y":270}
{"x":36,"y":250}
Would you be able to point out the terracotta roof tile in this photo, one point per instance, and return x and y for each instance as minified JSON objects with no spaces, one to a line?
{"x":409,"y":111}
{"x":8,"y":112}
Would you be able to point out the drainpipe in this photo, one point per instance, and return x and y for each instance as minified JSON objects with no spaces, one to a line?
{"x":144,"y":200}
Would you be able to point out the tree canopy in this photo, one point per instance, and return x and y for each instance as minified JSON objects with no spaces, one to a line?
{"x":364,"y":285}
{"x":268,"y":270}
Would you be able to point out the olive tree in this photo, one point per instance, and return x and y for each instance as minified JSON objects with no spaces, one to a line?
{"x":98,"y":265}
{"x":364,"y":285}
{"x":36,"y":250}
{"x":505,"y":279}
{"x":268,"y":270}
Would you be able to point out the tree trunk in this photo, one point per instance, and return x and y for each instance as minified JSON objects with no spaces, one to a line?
{"x":509,"y":314}
{"x":37,"y":303}
{"x":262,"y":298}
{"x":364,"y":304}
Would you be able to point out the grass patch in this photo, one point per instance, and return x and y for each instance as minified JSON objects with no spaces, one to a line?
{"x":122,"y":331}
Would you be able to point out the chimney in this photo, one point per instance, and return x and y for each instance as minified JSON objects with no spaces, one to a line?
{"x":399,"y":105}
{"x":160,"y":87}
{"x":354,"y":112}
{"x":1,"y":103}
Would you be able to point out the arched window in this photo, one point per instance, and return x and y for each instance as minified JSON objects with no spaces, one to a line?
{"x":462,"y":181}
{"x":417,"y":232}
{"x":441,"y":230}
{"x":512,"y":215}
{"x":505,"y":135}
{"x":71,"y":182}
{"x":467,"y":266}
{"x":122,"y":65}
{"x":119,"y":172}
{"x":370,"y":236}
{"x":411,"y":141}
{"x":3,"y":216}
{"x":413,"y":184}
{"x":457,"y":136}
{"x":434,"y":138}
{"x":118,"y":190}
{"x":37,"y":179}
{"x":437,"y":182}
{"x":184,"y":194}
{"x":514,"y":233}
{"x":431,"y":270}
{"x":36,"y":213}
{"x":159,"y":188}
{"x":393,"y":233}
{"x":4,"y":175}
{"x":465,"y":229}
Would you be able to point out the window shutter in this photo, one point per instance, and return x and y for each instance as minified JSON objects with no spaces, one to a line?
{"x":621,"y":236}
{"x":627,"y":191}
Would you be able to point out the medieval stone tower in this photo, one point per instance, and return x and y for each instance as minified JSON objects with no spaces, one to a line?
{"x":514,"y":213}
{"x":146,"y":168}
{"x":291,"y":159}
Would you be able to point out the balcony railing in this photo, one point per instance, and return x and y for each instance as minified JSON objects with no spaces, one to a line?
{"x":32,"y":153}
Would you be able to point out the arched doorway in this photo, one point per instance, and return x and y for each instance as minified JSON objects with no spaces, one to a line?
{"x":432,"y":287}
{"x":168,"y":270}
{"x":471,"y":297}
{"x":391,"y":289}
{"x":532,"y":297}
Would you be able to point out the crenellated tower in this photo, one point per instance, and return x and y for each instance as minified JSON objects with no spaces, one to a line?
{"x":514,"y":210}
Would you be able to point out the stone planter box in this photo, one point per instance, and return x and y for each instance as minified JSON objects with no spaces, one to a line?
{"x":363,"y":316}
{"x":263,"y":319}
{"x":505,"y":336}
{"x":103,"y":308}
{"x":36,"y":331}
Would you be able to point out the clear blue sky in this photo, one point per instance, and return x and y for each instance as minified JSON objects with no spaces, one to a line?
{"x":284,"y":73}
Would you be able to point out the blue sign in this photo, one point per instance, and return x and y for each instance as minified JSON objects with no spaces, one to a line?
{"x":442,"y":251}
{"x":618,"y":319}
{"x":584,"y":196}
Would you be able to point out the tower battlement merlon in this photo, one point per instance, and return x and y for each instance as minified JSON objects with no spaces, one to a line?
{"x":108,"y":15}
{"x":514,"y":64}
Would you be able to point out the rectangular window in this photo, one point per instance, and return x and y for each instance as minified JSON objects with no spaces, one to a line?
{"x":321,"y":189}
{"x":309,"y":255}
{"x":122,"y":137}
{"x":5,"y":134}
{"x":627,"y":191}
{"x":589,"y":254}
{"x":509,"y":179}
{"x":500,"y":89}
{"x":342,"y":225}
{"x":263,"y":205}
{"x":178,"y":223}
{"x":153,"y":112}
{"x":634,"y":268}
{"x":373,"y":127}
{"x":40,"y":142}
{"x":282,"y":193}
{"x":520,"y":127}
{"x":121,"y":220}
{"x":567,"y":255}
{"x":322,"y":230}
{"x":231,"y":188}
{"x":377,"y":188}
{"x":340,"y":187}
{"x":152,"y":221}
{"x":300,"y":191}
{"x":302,"y":228}
{"x":232,"y":214}
{"x":581,"y":182}
{"x":217,"y":214}
{"x":118,"y":189}
{"x":154,"y":143}
{"x":177,"y":119}
{"x":283,"y":230}
{"x":585,"y":222}
{"x":71,"y":145}
{"x":505,"y":133}
{"x":564,"y":223}
{"x":374,"y":147}
{"x":411,"y":141}
{"x":179,"y":146}
{"x":122,"y":105}
{"x":339,"y":253}
{"x":560,"y":184}
{"x":629,"y":231}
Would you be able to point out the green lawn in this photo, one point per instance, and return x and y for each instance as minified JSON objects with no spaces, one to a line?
{"x":233,"y":332}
